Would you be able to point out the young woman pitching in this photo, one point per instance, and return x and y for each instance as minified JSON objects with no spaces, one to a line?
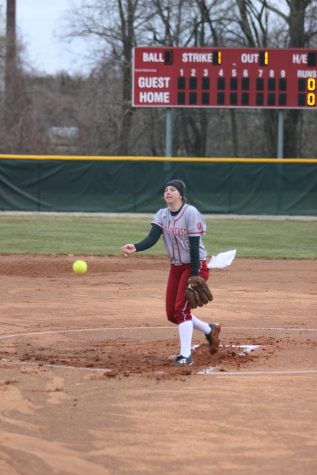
{"x":182,"y":227}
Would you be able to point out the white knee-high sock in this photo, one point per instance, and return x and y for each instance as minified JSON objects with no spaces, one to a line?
{"x":200,"y":325}
{"x":185,"y":335}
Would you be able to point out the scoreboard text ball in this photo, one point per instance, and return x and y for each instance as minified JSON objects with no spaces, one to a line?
{"x":226,"y":77}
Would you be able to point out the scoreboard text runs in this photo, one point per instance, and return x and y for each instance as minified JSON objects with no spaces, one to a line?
{"x":227,"y":77}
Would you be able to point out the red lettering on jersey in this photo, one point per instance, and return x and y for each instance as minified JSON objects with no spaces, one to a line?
{"x":174,"y":231}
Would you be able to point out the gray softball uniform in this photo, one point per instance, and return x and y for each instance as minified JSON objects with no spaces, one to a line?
{"x":177,"y":229}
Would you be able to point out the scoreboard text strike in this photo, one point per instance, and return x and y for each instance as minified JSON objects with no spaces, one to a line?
{"x":227,"y":77}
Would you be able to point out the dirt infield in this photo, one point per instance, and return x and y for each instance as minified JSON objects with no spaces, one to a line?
{"x":87,"y":383}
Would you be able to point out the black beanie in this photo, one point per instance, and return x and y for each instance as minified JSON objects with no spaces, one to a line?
{"x":179,"y":185}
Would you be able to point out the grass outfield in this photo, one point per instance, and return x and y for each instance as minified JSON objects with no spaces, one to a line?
{"x":99,"y":235}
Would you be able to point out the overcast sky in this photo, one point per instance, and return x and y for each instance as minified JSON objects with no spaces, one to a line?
{"x":38,"y":23}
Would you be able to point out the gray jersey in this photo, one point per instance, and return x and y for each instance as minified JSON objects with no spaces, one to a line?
{"x":177,"y":229}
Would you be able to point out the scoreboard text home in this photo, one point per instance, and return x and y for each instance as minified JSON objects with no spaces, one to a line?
{"x":226,"y":77}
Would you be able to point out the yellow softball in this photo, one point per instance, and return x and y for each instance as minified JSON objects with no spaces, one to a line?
{"x":80,"y":267}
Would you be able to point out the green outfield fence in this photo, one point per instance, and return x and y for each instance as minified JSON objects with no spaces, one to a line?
{"x":135,"y":184}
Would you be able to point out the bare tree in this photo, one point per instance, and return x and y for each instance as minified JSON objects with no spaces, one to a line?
{"x":12,"y":74}
{"x":187,"y":23}
{"x":113,"y":23}
{"x":16,"y":123}
{"x":301,"y":22}
{"x":99,"y":105}
{"x":291,"y":23}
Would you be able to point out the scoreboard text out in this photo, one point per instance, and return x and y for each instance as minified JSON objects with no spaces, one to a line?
{"x":226,"y":77}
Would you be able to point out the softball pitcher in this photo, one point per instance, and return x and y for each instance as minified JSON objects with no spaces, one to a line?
{"x":182,"y":227}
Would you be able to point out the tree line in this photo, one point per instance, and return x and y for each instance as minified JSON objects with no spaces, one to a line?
{"x":92,"y":114}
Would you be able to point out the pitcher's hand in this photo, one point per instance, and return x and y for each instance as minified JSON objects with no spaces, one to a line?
{"x":128,"y":249}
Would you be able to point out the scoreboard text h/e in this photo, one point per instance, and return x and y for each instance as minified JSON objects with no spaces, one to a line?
{"x":225,"y":77}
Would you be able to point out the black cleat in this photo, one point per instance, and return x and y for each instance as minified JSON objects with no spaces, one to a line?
{"x":184,"y":360}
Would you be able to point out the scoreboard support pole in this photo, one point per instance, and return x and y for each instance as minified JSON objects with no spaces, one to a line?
{"x":169,"y":133}
{"x":280,"y":134}
{"x":168,"y":142}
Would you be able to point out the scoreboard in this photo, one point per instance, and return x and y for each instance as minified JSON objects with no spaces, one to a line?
{"x":225,"y":78}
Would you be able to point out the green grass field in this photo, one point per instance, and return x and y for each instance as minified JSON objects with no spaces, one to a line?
{"x":102,"y":235}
